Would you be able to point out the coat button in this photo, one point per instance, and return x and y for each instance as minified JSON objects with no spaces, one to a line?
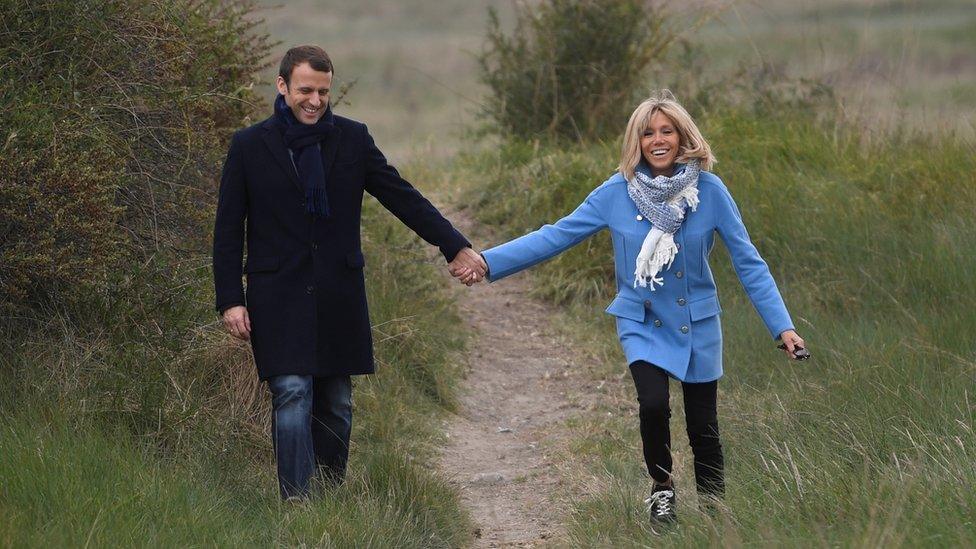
{"x":657,"y":322}
{"x":640,"y":218}
{"x":681,"y":301}
{"x":679,"y":274}
{"x":677,"y":245}
{"x":684,"y":329}
{"x":647,"y":303}
{"x":315,"y":246}
{"x":309,"y":289}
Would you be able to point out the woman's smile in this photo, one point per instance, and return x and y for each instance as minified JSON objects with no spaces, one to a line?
{"x":660,"y":144}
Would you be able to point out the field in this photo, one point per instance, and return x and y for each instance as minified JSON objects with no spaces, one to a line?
{"x":892,"y":62}
{"x":869,"y":444}
{"x":139,"y":422}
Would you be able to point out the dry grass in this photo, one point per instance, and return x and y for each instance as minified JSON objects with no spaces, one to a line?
{"x":893,"y":62}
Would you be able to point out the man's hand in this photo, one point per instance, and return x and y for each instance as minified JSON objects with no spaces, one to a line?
{"x":468,"y":267}
{"x":237,"y":322}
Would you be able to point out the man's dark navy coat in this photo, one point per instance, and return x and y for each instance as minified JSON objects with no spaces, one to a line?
{"x":306,"y":296}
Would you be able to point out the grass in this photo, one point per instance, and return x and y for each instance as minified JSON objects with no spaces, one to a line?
{"x":148,"y":428}
{"x":126,"y":425}
{"x":412,"y":63}
{"x":871,"y":242}
{"x":894,"y":63}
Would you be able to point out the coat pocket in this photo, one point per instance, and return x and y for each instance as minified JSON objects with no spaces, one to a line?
{"x":261,"y":264}
{"x":355,"y":260}
{"x":704,"y":308}
{"x":627,"y":308}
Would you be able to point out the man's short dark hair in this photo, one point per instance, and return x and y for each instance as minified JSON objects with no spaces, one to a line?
{"x":313,"y":55}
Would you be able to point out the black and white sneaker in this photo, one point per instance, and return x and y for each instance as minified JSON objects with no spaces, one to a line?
{"x":661,"y":504}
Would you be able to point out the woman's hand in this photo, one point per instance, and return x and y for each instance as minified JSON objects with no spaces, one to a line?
{"x":469,"y":267}
{"x":792,"y":340}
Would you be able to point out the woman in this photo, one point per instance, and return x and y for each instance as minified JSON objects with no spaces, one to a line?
{"x":662,"y":210}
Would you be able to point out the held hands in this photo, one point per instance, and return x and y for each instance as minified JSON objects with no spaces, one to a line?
{"x":792,"y":342}
{"x":468,"y":267}
{"x":237,"y":322}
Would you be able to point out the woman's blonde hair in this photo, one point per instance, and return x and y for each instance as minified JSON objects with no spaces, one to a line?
{"x":691,"y":144}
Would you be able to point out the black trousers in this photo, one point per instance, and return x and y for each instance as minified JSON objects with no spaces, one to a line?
{"x":701,"y":413}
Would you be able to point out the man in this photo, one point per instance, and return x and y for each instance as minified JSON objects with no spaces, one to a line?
{"x":292,"y":186}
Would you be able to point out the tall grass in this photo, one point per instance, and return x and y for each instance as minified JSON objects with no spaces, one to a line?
{"x":127,"y":415}
{"x":149,"y":427}
{"x":870,"y":443}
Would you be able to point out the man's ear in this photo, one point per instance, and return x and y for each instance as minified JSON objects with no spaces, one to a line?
{"x":281,"y":85}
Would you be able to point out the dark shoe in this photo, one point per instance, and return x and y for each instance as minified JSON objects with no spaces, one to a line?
{"x":661,"y":505}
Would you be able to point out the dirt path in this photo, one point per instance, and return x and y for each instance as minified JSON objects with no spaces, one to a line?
{"x":513,"y":408}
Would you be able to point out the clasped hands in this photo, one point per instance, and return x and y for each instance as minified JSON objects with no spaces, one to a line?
{"x":468,"y":267}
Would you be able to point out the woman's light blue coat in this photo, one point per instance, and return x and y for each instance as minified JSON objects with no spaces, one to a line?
{"x":676,"y":326}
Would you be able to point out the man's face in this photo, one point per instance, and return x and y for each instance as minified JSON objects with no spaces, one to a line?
{"x":308,"y":92}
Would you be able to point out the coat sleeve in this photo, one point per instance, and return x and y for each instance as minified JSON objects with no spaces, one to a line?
{"x":228,"y":239}
{"x":549,"y":240}
{"x":407,"y":204}
{"x":752,"y":271}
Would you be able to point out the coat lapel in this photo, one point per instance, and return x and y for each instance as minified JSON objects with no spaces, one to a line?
{"x":329,"y":147}
{"x":276,"y":144}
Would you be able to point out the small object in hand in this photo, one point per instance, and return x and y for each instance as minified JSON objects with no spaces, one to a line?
{"x":799,"y":353}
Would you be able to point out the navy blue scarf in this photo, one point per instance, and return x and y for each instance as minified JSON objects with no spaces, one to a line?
{"x":303,"y":140}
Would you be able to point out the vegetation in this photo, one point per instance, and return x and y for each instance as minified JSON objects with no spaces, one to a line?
{"x":109,"y":110}
{"x":871,"y":241}
{"x":570,"y":69}
{"x":121,"y":435}
{"x":129,"y":417}
{"x":871,"y":244}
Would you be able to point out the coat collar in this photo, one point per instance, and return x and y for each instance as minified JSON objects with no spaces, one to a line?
{"x":275,"y":142}
{"x":645,"y":168}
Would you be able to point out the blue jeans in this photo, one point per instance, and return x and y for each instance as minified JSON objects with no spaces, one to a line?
{"x":310,"y":426}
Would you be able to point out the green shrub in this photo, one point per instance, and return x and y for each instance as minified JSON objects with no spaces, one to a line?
{"x":109,"y":113}
{"x":570,"y":69}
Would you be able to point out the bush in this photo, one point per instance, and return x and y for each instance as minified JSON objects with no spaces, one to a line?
{"x":570,"y":69}
{"x":110,"y":111}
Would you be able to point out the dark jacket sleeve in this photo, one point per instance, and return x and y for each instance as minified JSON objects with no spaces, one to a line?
{"x":407,"y":204}
{"x":228,"y":243}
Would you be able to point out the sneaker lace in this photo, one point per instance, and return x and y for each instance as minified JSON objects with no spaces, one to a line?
{"x":660,"y":502}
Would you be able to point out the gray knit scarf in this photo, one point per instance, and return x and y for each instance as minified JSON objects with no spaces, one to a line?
{"x":664,"y":202}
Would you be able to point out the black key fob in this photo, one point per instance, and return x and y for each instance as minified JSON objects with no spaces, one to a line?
{"x":799,"y":353}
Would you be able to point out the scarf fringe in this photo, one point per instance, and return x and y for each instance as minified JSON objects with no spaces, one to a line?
{"x":690,"y":195}
{"x":317,"y":202}
{"x":649,"y":265}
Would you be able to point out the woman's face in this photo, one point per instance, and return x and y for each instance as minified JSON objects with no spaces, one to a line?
{"x":659,"y":144}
